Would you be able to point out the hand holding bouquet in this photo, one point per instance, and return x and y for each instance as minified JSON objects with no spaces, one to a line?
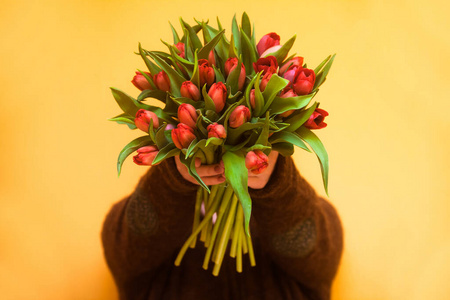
{"x":224,"y":100}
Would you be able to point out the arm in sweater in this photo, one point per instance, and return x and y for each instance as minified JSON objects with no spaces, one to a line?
{"x":301,"y":231}
{"x":146,"y":229}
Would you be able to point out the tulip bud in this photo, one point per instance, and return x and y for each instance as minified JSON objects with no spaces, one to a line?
{"x":267,"y":64}
{"x":169,"y":127}
{"x":304,"y":81}
{"x":218,"y":93}
{"x":296,"y":61}
{"x":182,"y":136}
{"x":141,"y":82}
{"x":211,"y":58}
{"x":288,"y":94}
{"x":142,"y":119}
{"x":264,"y":81}
{"x":239,"y":116}
{"x":162,"y":81}
{"x":216,"y":130}
{"x":206,"y":73}
{"x":256,"y":161}
{"x":187,"y":115}
{"x":252,"y":99}
{"x":145,"y":155}
{"x":230,"y":65}
{"x":180,"y":47}
{"x":190,"y":90}
{"x":315,"y":121}
{"x":268,"y":41}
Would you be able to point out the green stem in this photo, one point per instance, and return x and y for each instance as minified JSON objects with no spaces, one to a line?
{"x":244,"y":241}
{"x":251,"y":255}
{"x":236,"y":230}
{"x":217,"y":197}
{"x":198,"y":204}
{"x":225,"y":236}
{"x":239,"y":251}
{"x":223,"y":207}
{"x":193,"y":236}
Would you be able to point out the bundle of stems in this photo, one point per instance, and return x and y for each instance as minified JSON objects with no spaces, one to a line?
{"x":223,"y":221}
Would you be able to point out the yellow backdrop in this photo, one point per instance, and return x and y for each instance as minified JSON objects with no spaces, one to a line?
{"x":388,"y":135}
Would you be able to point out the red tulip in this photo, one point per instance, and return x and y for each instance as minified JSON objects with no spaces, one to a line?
{"x":211,"y":58}
{"x":315,"y":121}
{"x":239,"y":116}
{"x":252,"y":99}
{"x":206,"y":72}
{"x":142,"y":119}
{"x":162,"y":81}
{"x":216,"y":130}
{"x":290,"y":73}
{"x":256,"y":161}
{"x":268,"y":41}
{"x":180,"y":47}
{"x":218,"y":93}
{"x":182,"y":136}
{"x":264,"y":81}
{"x":145,"y":155}
{"x":230,"y":65}
{"x":267,"y":64}
{"x":190,"y":90}
{"x":304,"y":81}
{"x":141,"y":82}
{"x":288,"y":94}
{"x":187,"y":115}
{"x":296,"y":61}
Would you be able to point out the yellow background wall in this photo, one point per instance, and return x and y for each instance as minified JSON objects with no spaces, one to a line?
{"x":388,"y":135}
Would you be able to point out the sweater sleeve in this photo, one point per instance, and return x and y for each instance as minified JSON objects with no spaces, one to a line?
{"x":144,"y":230}
{"x":299,"y":230}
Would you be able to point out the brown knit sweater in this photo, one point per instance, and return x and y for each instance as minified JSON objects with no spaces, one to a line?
{"x":297,"y":239}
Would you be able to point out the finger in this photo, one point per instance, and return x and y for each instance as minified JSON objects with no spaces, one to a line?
{"x":213,"y":180}
{"x":210,"y":170}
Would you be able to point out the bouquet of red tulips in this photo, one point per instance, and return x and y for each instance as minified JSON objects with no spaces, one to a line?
{"x":231,"y":100}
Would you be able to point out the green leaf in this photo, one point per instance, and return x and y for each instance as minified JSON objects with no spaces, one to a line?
{"x":214,"y":141}
{"x":124,"y":119}
{"x":249,"y":53}
{"x":149,"y":79}
{"x":258,"y":147}
{"x":219,"y":75}
{"x":264,"y":135}
{"x":154,"y":69}
{"x":318,"y":148}
{"x":176,"y":38}
{"x":175,"y":79}
{"x":280,"y":105}
{"x":245,"y":24}
{"x":259,"y":98}
{"x":189,"y":162}
{"x":288,"y":137}
{"x":236,"y":37}
{"x":320,"y":78}
{"x":128,"y":104}
{"x":209,"y":103}
{"x":319,"y":67}
{"x":196,"y":43}
{"x":274,"y":86}
{"x":285,"y":149}
{"x":234,"y":134}
{"x":156,"y":94}
{"x":160,"y":137}
{"x":282,"y":53}
{"x":297,"y":120}
{"x":168,"y":151}
{"x":195,"y":79}
{"x":237,"y":176}
{"x":204,"y":52}
{"x":130,"y":148}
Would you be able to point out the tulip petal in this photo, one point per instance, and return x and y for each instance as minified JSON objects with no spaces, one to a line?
{"x":297,"y":120}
